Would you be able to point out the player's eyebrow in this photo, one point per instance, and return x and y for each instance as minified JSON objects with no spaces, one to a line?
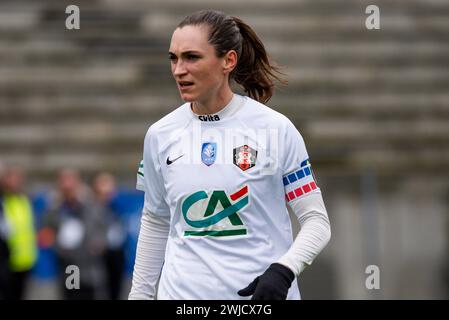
{"x":185,"y":53}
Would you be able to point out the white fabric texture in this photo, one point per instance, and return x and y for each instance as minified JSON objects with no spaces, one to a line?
{"x":313,"y":236}
{"x":149,"y":256}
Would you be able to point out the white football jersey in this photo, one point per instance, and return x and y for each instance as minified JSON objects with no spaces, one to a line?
{"x":224,"y":180}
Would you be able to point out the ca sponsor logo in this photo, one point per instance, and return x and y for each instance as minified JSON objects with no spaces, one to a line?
{"x":215,"y":214}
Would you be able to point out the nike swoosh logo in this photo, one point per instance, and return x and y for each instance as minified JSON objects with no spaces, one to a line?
{"x":169,"y":162}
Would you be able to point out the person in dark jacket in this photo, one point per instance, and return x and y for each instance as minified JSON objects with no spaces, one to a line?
{"x":78,"y":237}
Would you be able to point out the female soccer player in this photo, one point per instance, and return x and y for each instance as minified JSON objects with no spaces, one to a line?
{"x":218,"y":174}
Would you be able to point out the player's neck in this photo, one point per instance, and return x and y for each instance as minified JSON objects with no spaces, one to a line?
{"x":214,"y":104}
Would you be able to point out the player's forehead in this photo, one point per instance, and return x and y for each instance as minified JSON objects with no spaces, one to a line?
{"x":190,"y":38}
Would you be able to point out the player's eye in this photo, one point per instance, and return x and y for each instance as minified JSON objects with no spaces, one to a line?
{"x":171,"y":57}
{"x":192,"y":57}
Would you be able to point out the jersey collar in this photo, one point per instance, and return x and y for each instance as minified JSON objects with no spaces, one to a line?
{"x":228,"y":111}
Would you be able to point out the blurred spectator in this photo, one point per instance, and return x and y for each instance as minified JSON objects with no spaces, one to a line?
{"x":79,"y":235}
{"x":104,"y":186}
{"x":18,"y":247}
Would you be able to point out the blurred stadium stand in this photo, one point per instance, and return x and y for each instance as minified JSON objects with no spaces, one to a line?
{"x":373,"y":107}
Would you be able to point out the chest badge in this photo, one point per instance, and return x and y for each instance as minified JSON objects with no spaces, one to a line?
{"x":245,"y":157}
{"x":209,"y":153}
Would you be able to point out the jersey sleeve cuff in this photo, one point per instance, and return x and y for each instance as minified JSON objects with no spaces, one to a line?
{"x":295,"y":267}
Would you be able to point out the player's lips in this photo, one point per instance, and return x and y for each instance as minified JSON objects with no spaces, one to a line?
{"x":185,"y":84}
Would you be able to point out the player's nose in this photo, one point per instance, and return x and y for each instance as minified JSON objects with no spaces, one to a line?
{"x":179,"y":69}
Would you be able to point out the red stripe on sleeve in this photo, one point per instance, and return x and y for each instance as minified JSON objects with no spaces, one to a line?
{"x":306,"y":188}
{"x":298,"y":192}
{"x":291,"y":195}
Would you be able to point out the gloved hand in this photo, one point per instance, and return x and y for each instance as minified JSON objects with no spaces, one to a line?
{"x":273,"y":284}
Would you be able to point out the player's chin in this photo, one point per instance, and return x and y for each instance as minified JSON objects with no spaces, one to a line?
{"x":187,"y":97}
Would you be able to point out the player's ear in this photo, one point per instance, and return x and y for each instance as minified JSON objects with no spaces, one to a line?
{"x":229,"y":61}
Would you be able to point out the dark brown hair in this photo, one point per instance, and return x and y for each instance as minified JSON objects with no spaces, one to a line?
{"x":254,"y":71}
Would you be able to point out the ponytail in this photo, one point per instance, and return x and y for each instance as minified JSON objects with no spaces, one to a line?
{"x":254,"y":71}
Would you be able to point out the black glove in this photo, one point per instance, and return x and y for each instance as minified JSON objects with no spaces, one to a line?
{"x":273,"y":284}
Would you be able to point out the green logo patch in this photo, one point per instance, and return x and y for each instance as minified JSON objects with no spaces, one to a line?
{"x":208,"y":222}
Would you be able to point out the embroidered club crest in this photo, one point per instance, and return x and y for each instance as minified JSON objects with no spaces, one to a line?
{"x":208,"y":153}
{"x":245,"y":157}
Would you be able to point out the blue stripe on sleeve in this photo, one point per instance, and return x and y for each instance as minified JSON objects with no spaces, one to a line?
{"x":307,"y":171}
{"x":300,"y":174}
{"x":292,"y":177}
{"x":304,"y":163}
